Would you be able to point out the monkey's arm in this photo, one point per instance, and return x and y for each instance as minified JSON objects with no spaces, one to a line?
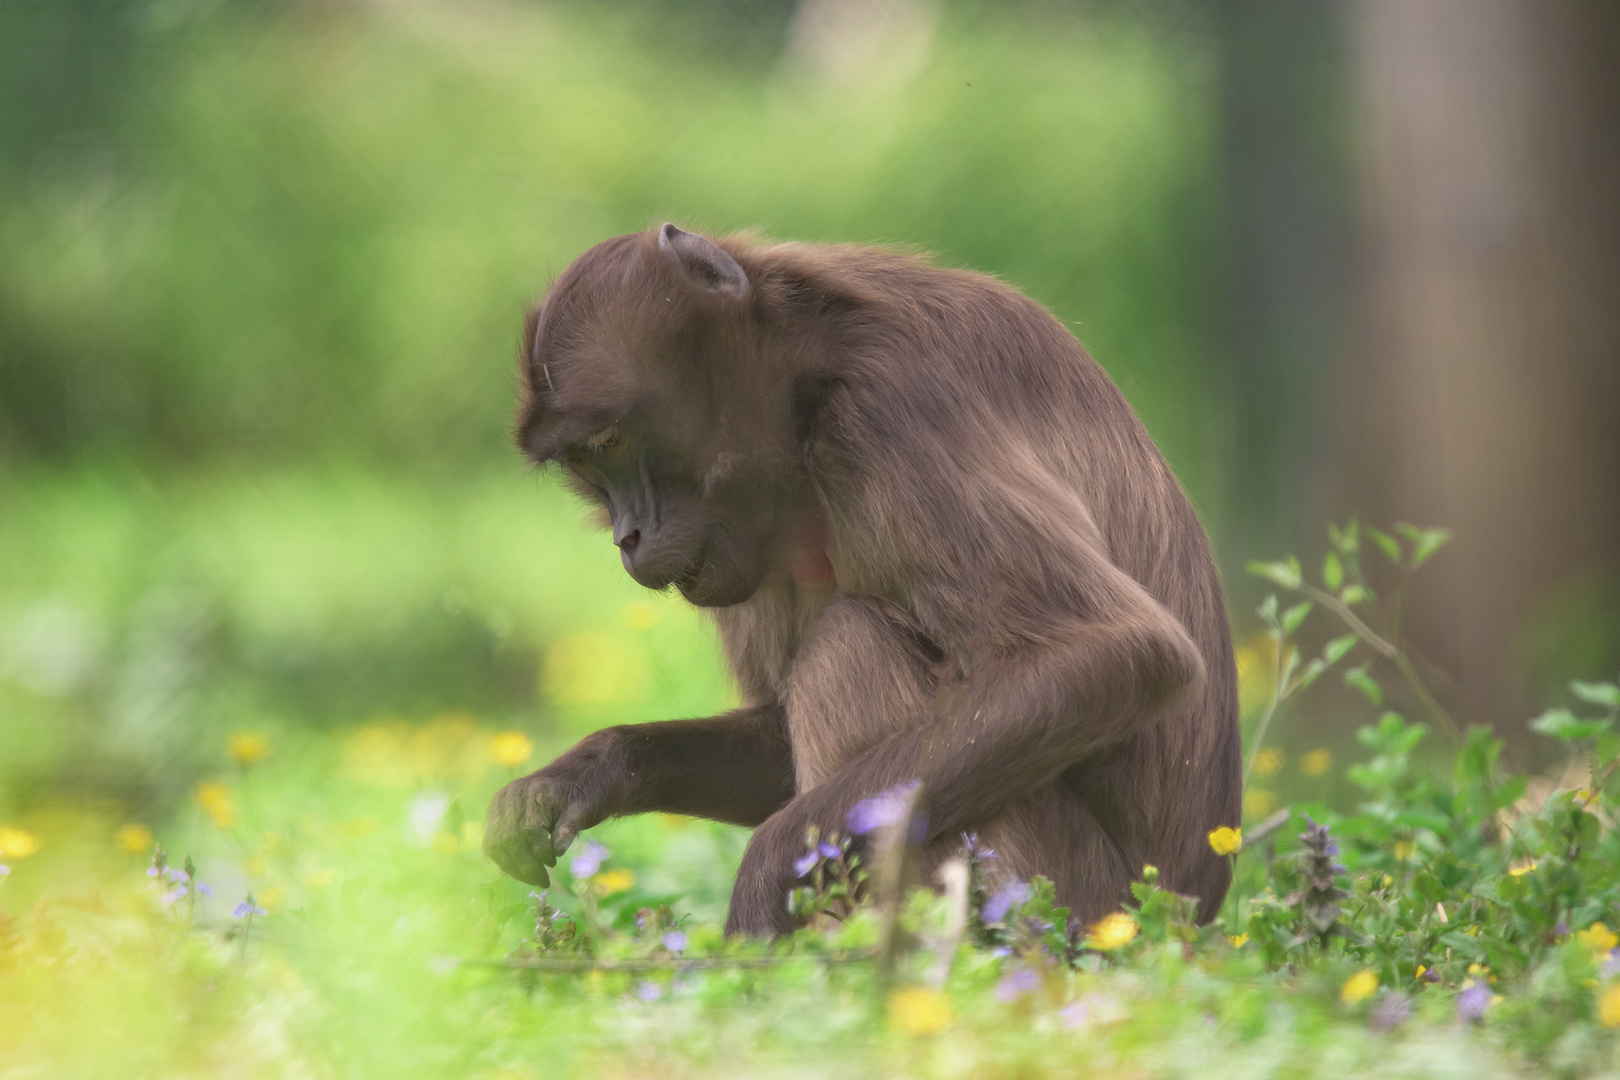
{"x":737,"y":768}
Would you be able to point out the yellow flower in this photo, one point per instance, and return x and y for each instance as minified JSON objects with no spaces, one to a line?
{"x":1478,"y":969}
{"x":1597,"y":937}
{"x":1238,"y":941}
{"x":246,"y":747}
{"x":321,"y":878}
{"x":1523,"y":868}
{"x":641,"y":614}
{"x":1150,"y":873}
{"x":135,"y":839}
{"x":510,"y":748}
{"x":1112,"y":932}
{"x":17,"y":844}
{"x":918,"y":1010}
{"x":1226,"y":841}
{"x":1258,"y":803}
{"x":1257,"y":673}
{"x":1418,"y":974}
{"x":1359,"y":987}
{"x":1609,"y":1007}
{"x":215,"y":799}
{"x":613,"y":881}
{"x":1268,"y":762}
{"x":1316,"y":762}
{"x":1405,"y":849}
{"x":592,"y":669}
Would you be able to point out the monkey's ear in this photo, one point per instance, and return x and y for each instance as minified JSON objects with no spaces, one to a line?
{"x":703,"y":259}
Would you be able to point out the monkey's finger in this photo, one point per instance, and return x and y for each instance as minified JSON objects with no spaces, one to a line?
{"x":565,"y":832}
{"x":520,"y":862}
{"x":539,"y":826}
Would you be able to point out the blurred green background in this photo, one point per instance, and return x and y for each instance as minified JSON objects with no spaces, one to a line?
{"x":264,"y":266}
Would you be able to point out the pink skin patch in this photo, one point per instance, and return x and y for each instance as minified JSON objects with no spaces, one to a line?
{"x":810,"y":564}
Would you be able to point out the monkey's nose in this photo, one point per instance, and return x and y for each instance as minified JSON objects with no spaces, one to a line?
{"x":629,"y":540}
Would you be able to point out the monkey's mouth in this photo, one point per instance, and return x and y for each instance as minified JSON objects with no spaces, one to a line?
{"x":690,"y":577}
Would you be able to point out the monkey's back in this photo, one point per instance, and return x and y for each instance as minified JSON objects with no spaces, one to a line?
{"x":998,"y":432}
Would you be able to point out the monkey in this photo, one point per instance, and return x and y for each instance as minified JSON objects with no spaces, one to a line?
{"x":938,"y":546}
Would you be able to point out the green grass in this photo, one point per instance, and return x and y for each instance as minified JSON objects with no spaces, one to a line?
{"x":379,"y":632}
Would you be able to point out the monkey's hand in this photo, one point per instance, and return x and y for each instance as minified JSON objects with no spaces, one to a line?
{"x":759,"y":899}
{"x":531,"y":821}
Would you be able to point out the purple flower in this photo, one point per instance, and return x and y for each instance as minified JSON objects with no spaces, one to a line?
{"x":1390,"y":1012}
{"x":246,"y":908}
{"x":675,"y":941}
{"x":880,"y":811}
{"x":1016,"y":984}
{"x":204,"y":889}
{"x":1562,"y":929}
{"x":1002,"y":901}
{"x":172,"y":895}
{"x":1074,"y":1014}
{"x":4,"y":869}
{"x":1001,"y":952}
{"x":805,"y":863}
{"x":174,"y":874}
{"x":152,"y":871}
{"x":649,"y":991}
{"x":976,"y":850}
{"x":589,"y":860}
{"x":1474,"y":1000}
{"x":829,"y":851}
{"x":1611,"y":963}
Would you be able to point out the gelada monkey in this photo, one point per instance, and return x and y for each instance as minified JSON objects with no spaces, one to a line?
{"x":938,"y":546}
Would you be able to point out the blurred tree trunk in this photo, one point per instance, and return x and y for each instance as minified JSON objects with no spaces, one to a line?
{"x":1483,"y":387}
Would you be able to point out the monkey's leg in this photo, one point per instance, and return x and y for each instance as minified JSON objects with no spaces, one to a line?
{"x":865,"y":673}
{"x":736,"y":768}
{"x":1052,"y":833}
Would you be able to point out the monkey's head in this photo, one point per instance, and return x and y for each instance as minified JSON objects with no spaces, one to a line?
{"x":651,"y":374}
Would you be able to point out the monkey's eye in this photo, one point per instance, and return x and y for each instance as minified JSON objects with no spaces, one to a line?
{"x":606,"y":439}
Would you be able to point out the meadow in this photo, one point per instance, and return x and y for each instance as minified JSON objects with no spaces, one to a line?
{"x":201,"y":887}
{"x":280,"y":609}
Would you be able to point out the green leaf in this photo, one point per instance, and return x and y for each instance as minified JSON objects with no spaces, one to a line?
{"x":1427,"y":887}
{"x":1509,"y":791}
{"x":1295,"y":615}
{"x":1338,"y":648}
{"x":1354,"y":594}
{"x":1287,"y":573}
{"x":1390,"y":546}
{"x":1428,"y":542}
{"x":1563,"y":724}
{"x":1597,"y":693}
{"x":1466,"y":944}
{"x":1310,"y":674}
{"x":1268,"y":608}
{"x":1332,"y":571}
{"x":1512,"y":888}
{"x":1358,"y":679}
{"x":1346,"y":540}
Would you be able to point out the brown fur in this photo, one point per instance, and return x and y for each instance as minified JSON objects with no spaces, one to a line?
{"x":1022,"y":612}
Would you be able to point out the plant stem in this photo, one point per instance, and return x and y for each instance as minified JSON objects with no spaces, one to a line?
{"x":1278,"y":692}
{"x":1389,"y":651}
